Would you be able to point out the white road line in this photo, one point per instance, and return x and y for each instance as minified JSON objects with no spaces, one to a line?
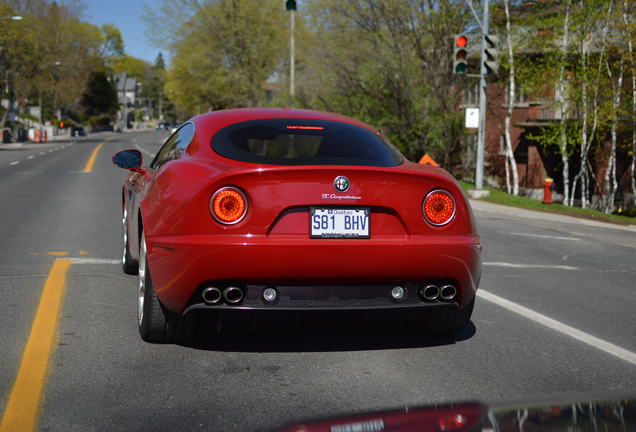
{"x":579,"y":335}
{"x":42,"y":153}
{"x":14,"y":163}
{"x":94,"y":261}
{"x":30,"y":157}
{"x":543,"y":236}
{"x":531,"y":266}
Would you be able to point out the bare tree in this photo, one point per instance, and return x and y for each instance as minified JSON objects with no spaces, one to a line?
{"x":511,"y":163}
{"x":587,"y":35}
{"x":611,"y":184}
{"x":561,"y":104}
{"x":630,"y":48}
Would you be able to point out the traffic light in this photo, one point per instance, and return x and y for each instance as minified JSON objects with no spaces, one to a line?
{"x":290,"y":5}
{"x":490,"y":56}
{"x":460,"y":54}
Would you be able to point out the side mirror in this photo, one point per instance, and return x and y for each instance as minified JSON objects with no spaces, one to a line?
{"x":128,"y":159}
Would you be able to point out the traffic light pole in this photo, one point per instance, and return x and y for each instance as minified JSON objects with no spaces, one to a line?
{"x":481,"y":136}
{"x":292,"y":54}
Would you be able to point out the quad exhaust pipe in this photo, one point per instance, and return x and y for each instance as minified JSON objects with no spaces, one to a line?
{"x":233,"y":295}
{"x":448,"y":292}
{"x":429,"y":292}
{"x":211,"y":295}
{"x":433,"y":292}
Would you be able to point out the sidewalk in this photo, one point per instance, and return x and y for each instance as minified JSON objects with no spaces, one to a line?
{"x":485,"y":207}
{"x":27,"y":145}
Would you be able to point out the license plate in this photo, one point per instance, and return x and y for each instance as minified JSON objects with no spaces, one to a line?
{"x":325,"y":222}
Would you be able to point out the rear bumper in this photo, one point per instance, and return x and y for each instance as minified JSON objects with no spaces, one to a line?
{"x":412,"y":307}
{"x":181,"y":264}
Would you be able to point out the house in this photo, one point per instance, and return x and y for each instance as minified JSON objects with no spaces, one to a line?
{"x":127,"y":89}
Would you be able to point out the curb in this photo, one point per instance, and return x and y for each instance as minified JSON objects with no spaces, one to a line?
{"x":498,"y":209}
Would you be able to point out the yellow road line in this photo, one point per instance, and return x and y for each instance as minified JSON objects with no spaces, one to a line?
{"x":23,"y":406}
{"x":89,"y":165}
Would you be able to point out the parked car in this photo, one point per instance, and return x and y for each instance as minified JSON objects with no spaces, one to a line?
{"x":293,"y":210}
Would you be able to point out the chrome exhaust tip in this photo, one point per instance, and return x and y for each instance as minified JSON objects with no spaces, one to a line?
{"x":429,"y":292}
{"x":233,"y":295}
{"x":211,"y":295}
{"x":448,"y":292}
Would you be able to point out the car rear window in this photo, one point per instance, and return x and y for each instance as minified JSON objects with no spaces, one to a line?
{"x":304,"y":142}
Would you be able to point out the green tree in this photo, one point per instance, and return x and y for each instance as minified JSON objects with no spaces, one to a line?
{"x":132,"y":66}
{"x":100,"y":97}
{"x":112,"y":42}
{"x":49,"y":56}
{"x":18,"y":57}
{"x":153,"y":89}
{"x":388,"y":62}
{"x":224,"y":53}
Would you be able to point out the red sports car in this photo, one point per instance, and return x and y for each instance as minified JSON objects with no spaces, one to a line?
{"x":293,"y":210}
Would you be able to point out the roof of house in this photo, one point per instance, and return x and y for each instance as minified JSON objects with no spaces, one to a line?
{"x":121,"y":79}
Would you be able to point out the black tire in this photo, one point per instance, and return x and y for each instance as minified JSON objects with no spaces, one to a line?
{"x":156,"y":323}
{"x":129,"y":265}
{"x":448,"y":321}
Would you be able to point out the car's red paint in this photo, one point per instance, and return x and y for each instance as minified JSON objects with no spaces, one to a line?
{"x":456,"y":418}
{"x":271,"y":245}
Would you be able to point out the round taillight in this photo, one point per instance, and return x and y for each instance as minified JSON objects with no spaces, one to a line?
{"x":438,"y":207}
{"x":228,"y":205}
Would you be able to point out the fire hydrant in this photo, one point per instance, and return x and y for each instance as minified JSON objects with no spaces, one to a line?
{"x":547,"y":191}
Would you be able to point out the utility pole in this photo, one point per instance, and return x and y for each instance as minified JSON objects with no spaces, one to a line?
{"x":40,"y":107}
{"x":292,"y":53}
{"x":479,"y":190}
{"x":290,"y":5}
{"x":481,"y":137}
{"x":124,"y":112}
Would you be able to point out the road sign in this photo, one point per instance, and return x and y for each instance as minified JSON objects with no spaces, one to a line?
{"x":472,"y":117}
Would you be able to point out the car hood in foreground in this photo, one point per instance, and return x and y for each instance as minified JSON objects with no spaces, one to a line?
{"x":614,"y":414}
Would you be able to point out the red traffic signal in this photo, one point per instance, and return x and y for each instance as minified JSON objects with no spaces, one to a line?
{"x":460,"y":54}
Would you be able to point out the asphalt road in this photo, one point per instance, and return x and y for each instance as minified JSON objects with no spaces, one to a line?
{"x":101,"y":376}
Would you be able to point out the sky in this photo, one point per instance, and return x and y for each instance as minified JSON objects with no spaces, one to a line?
{"x":126,"y":15}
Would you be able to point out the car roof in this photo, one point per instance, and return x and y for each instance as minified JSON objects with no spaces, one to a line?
{"x":230,"y":116}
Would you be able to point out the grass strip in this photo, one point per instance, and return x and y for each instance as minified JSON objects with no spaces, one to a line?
{"x":501,"y":197}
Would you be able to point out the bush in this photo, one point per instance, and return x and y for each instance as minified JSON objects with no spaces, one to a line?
{"x":630,"y":212}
